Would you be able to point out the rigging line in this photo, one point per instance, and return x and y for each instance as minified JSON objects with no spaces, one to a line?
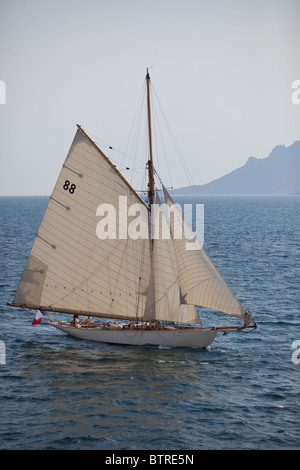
{"x":86,"y":279}
{"x":188,"y":174}
{"x":162,"y":141}
{"x":143,"y":183}
{"x":134,"y":140}
{"x":126,"y":155}
{"x":158,"y":153}
{"x":155,"y":172}
{"x":250,"y":331}
{"x":134,"y":130}
{"x":136,"y":126}
{"x":103,"y":143}
{"x":105,"y":259}
{"x":139,"y":299}
{"x":138,"y":110}
{"x":136,"y":256}
{"x":116,"y":150}
{"x":172,"y":134}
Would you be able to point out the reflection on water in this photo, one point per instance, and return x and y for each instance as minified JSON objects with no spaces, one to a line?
{"x":101,"y":388}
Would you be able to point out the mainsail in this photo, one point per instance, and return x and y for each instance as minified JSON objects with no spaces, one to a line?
{"x":69,"y":268}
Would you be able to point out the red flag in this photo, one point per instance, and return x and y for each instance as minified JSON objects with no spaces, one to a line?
{"x":38,"y":318}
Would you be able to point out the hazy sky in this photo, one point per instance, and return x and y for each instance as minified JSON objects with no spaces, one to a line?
{"x":222,"y":70}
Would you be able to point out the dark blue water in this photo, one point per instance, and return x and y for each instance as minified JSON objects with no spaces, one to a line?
{"x":57,"y":392}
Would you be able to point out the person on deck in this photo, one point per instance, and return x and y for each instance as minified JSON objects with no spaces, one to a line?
{"x":77,"y":322}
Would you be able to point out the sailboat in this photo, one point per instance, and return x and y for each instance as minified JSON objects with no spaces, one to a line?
{"x":120,"y":283}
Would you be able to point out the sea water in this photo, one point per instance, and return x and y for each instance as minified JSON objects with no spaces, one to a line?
{"x":58,"y":392}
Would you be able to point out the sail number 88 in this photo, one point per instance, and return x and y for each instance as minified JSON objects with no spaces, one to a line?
{"x":69,"y":187}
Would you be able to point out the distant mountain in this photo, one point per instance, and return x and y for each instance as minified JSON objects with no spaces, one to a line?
{"x":279,"y":173}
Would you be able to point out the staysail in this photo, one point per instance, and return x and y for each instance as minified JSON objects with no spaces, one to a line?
{"x":69,"y":268}
{"x":200,"y":281}
{"x":163,"y":300}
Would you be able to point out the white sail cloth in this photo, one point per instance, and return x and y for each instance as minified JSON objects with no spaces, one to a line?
{"x":200,"y":281}
{"x":69,"y":267}
{"x":163,"y":300}
{"x":72,"y":267}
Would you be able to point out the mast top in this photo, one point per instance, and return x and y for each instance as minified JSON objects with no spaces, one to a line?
{"x":151,"y":191}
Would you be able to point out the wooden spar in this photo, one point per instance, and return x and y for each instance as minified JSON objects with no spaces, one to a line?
{"x":118,"y":317}
{"x":233,"y":328}
{"x":73,"y":312}
{"x":150,"y":162}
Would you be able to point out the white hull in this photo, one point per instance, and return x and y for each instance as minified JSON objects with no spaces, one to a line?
{"x":197,"y":337}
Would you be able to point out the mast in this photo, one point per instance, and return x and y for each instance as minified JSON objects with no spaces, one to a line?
{"x":151,"y":191}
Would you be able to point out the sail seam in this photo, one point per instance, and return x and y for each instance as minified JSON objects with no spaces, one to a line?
{"x":105,"y":257}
